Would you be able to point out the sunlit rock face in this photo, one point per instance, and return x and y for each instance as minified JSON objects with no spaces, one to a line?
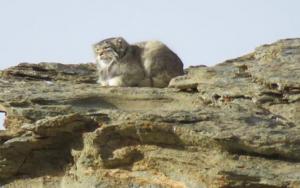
{"x":236,"y":124}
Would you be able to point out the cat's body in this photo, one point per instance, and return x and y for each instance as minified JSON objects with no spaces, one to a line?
{"x":145,"y":64}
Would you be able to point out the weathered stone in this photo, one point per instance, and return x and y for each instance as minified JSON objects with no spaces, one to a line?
{"x":49,"y":72}
{"x":236,"y":124}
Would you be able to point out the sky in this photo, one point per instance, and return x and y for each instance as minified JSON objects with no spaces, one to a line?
{"x":200,"y":32}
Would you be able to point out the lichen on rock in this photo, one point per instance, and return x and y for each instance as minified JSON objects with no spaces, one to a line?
{"x":236,"y":124}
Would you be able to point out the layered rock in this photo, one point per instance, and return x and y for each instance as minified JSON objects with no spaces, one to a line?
{"x":236,"y":124}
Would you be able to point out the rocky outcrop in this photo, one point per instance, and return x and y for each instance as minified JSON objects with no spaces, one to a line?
{"x":236,"y":124}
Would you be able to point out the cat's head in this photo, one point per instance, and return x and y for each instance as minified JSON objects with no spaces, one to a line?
{"x":111,"y":49}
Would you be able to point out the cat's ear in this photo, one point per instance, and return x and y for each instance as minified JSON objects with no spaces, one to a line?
{"x":119,"y":41}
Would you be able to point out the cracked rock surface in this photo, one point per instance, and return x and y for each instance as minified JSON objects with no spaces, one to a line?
{"x":236,"y":124}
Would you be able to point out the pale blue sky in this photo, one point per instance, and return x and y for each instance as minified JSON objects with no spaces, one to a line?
{"x":200,"y":32}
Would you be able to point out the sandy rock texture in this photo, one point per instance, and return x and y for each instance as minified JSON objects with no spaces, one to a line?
{"x":236,"y":124}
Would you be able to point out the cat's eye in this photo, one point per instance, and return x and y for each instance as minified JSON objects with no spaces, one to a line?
{"x":106,"y":47}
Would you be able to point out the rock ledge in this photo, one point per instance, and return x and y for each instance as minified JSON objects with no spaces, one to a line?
{"x":236,"y":124}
